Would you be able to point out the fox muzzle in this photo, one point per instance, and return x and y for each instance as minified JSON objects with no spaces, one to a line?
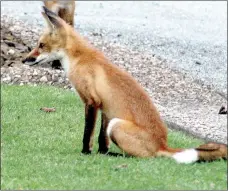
{"x":28,"y":60}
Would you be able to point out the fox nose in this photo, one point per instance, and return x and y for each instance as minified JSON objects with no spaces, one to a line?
{"x":29,"y":59}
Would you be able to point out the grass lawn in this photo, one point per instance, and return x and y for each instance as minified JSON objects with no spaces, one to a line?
{"x":42,"y":150}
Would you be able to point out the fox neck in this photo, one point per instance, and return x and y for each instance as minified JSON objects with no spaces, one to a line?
{"x":76,"y":46}
{"x":65,"y":62}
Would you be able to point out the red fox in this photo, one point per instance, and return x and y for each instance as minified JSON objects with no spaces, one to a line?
{"x":131,"y":121}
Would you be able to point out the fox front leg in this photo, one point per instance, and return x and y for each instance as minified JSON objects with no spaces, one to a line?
{"x":103,"y":138}
{"x":90,"y":119}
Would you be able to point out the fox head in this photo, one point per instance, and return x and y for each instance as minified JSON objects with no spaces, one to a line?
{"x":51,"y":43}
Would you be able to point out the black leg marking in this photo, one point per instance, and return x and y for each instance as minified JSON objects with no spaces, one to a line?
{"x":103,"y":138}
{"x":90,"y":118}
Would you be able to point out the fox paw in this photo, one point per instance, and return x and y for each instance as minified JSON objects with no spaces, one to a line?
{"x":86,"y":152}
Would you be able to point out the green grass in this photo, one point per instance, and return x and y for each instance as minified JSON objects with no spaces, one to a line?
{"x":42,"y":150}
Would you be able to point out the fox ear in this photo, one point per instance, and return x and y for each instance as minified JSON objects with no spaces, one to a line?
{"x":49,"y":24}
{"x":53,"y":20}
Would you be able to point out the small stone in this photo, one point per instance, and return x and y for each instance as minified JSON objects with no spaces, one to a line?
{"x":6,"y":79}
{"x":61,"y":80}
{"x":4,"y":49}
{"x":54,"y":78}
{"x":35,"y":73}
{"x":8,"y":63}
{"x":198,"y":63}
{"x":44,"y":79}
{"x":21,"y":48}
{"x":49,"y":77}
{"x":17,"y":76}
{"x":10,"y":43}
{"x":11,"y":52}
{"x":97,"y":34}
{"x":15,"y":80}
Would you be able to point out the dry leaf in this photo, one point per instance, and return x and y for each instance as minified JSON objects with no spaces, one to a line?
{"x":121,"y":166}
{"x":46,"y":109}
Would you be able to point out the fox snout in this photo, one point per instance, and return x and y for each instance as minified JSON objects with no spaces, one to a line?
{"x":29,"y":59}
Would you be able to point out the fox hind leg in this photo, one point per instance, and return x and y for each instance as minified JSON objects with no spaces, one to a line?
{"x":130,"y":138}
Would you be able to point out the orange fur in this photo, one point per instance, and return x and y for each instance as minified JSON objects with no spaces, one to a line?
{"x":139,"y":129}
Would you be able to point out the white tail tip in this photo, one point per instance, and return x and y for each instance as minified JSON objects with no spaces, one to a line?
{"x":187,"y":156}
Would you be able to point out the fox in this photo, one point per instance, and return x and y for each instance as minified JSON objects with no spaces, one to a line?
{"x":130,"y":119}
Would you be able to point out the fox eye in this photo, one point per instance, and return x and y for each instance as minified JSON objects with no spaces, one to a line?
{"x":41,"y":45}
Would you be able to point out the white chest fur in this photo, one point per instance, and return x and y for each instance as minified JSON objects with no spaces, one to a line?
{"x":65,"y":62}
